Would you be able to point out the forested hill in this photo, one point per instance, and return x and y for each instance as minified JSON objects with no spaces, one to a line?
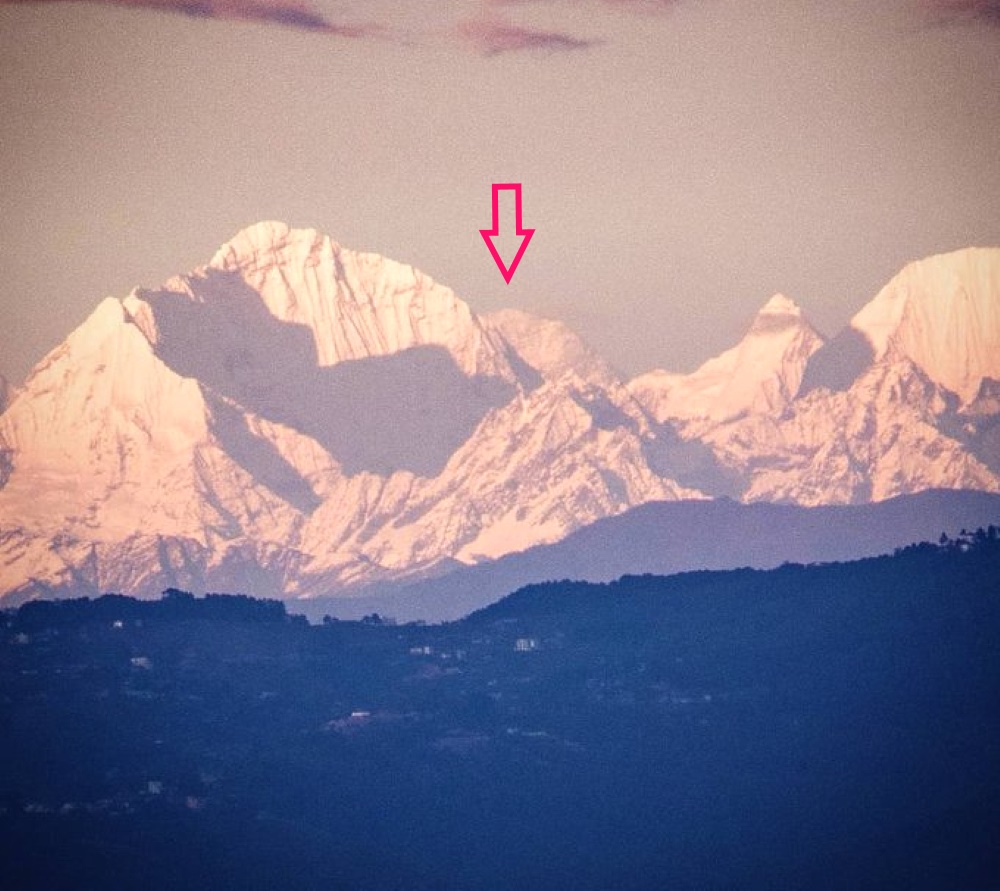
{"x":967,"y":566}
{"x":173,"y":606}
{"x":807,"y":727}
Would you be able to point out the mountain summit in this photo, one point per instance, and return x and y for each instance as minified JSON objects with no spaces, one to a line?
{"x":760,"y":374}
{"x":355,"y":305}
{"x":296,"y":418}
{"x":941,"y":314}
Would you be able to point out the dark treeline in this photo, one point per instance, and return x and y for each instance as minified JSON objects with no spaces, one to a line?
{"x":173,"y":606}
{"x":967,"y":563}
{"x":829,"y":726}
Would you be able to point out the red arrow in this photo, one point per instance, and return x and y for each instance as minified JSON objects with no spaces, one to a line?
{"x":489,"y":234}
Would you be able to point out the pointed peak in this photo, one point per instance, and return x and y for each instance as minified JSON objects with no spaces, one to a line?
{"x":261,"y":239}
{"x":942,"y":312}
{"x":779,"y":314}
{"x":263,"y":234}
{"x":780,"y":305}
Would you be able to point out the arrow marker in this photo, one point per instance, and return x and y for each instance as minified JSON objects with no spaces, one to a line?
{"x":489,"y":234}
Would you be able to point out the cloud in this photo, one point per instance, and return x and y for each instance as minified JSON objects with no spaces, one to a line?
{"x":492,"y":38}
{"x":288,"y":13}
{"x":948,"y":11}
{"x":489,"y":33}
{"x":492,"y":33}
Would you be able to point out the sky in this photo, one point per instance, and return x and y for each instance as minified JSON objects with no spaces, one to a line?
{"x":681,"y":160}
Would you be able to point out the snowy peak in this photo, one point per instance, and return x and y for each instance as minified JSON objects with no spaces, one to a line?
{"x":779,"y":313}
{"x":761,"y":374}
{"x":101,"y":417}
{"x":548,"y":346}
{"x":378,"y":364}
{"x":313,"y":417}
{"x":258,"y":245}
{"x":780,"y":305}
{"x":355,"y":305}
{"x":943,"y":314}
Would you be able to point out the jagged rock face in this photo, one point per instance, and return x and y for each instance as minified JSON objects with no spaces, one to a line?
{"x":884,"y":436}
{"x":296,"y":418}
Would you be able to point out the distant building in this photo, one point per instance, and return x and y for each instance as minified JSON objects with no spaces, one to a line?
{"x":526,"y":644}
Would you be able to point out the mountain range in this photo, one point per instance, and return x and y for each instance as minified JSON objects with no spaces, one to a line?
{"x":299,"y":419}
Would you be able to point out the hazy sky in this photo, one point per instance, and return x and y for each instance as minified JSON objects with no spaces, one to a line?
{"x":681,"y":161}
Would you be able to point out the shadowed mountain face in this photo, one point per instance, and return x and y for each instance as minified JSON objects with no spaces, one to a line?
{"x":692,"y":463}
{"x":6,"y":393}
{"x":256,"y":454}
{"x":406,"y":411}
{"x":839,"y":363}
{"x":305,"y":417}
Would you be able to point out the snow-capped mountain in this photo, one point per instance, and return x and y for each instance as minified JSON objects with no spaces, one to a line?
{"x":898,"y":402}
{"x":941,"y":314}
{"x":297,"y":418}
{"x":761,"y":374}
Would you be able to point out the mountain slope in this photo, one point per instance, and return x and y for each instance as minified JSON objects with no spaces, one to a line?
{"x":892,"y":432}
{"x":550,"y":347}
